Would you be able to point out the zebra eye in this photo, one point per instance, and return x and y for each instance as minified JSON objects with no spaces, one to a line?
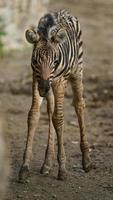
{"x":56,"y":63}
{"x":34,"y":62}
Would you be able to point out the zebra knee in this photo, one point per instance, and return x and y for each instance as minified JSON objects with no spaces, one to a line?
{"x":33,"y":116}
{"x":79,"y":105}
{"x":54,"y":118}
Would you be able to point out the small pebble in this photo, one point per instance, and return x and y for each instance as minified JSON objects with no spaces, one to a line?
{"x":74,"y":142}
{"x":90,"y":149}
{"x":73,"y":123}
{"x":54,"y":196}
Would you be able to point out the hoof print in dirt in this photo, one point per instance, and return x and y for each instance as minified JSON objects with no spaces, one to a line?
{"x":24,"y":174}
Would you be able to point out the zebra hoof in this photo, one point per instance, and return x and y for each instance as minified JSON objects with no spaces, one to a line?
{"x":62,"y":175}
{"x":23,"y":173}
{"x":45,"y":169}
{"x":88,"y":166}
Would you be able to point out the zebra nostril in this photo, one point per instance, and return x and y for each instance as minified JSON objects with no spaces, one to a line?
{"x":48,"y":84}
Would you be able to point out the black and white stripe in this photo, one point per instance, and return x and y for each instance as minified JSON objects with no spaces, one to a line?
{"x":69,"y":50}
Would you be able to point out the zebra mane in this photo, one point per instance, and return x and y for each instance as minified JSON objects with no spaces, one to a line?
{"x":49,"y":28}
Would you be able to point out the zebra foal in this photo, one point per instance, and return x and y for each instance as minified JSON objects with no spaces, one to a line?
{"x":57,"y":58}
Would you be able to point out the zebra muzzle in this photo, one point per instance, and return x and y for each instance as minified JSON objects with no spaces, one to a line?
{"x":43,"y":87}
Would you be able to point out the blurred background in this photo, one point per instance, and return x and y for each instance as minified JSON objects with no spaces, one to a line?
{"x":96,"y":18}
{"x":15,"y":16}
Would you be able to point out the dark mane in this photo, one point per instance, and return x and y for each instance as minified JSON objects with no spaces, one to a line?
{"x":45,"y":24}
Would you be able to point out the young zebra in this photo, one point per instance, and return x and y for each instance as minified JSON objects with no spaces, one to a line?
{"x":57,"y":58}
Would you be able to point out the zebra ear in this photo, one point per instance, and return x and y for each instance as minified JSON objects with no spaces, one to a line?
{"x":31,"y":35}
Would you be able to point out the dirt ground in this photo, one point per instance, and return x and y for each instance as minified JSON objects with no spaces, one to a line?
{"x":15,"y":100}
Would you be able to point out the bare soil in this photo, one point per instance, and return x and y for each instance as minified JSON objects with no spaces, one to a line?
{"x":96,"y":19}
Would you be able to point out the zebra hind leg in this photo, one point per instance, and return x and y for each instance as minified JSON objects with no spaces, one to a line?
{"x":79,"y":104}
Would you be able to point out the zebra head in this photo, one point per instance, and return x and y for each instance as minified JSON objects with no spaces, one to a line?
{"x":45,"y":59}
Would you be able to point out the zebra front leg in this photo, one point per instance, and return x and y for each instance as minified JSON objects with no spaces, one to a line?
{"x":33,"y":117}
{"x":50,"y":154}
{"x":79,"y":104}
{"x":58,"y":121}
